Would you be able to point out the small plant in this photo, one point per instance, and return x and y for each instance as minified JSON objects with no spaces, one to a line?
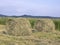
{"x":32,"y":21}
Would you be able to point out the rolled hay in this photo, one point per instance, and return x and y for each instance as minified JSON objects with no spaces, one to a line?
{"x":45,"y":25}
{"x":18,"y":27}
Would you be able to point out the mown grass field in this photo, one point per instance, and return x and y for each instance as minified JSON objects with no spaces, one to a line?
{"x":37,"y":38}
{"x":32,"y":21}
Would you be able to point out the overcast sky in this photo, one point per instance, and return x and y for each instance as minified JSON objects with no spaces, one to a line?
{"x":30,"y":7}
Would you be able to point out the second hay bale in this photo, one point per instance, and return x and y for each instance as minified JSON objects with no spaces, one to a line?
{"x":18,"y":27}
{"x":45,"y":25}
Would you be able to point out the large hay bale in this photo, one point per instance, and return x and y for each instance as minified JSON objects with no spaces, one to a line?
{"x":44,"y":25}
{"x":18,"y":27}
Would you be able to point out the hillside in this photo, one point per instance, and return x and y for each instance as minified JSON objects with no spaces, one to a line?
{"x":30,"y":16}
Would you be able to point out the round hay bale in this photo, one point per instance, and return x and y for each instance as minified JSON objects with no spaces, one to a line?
{"x":44,"y":25}
{"x":18,"y":27}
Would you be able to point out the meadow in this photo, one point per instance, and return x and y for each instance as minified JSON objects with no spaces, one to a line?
{"x":36,"y":38}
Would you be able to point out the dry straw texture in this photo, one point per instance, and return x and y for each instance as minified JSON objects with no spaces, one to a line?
{"x":44,"y":25}
{"x":18,"y":27}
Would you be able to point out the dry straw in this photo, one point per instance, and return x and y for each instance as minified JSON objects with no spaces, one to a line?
{"x":44,"y":25}
{"x":18,"y":27}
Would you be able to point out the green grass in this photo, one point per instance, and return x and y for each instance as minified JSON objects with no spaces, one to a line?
{"x":57,"y":24}
{"x":2,"y":20}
